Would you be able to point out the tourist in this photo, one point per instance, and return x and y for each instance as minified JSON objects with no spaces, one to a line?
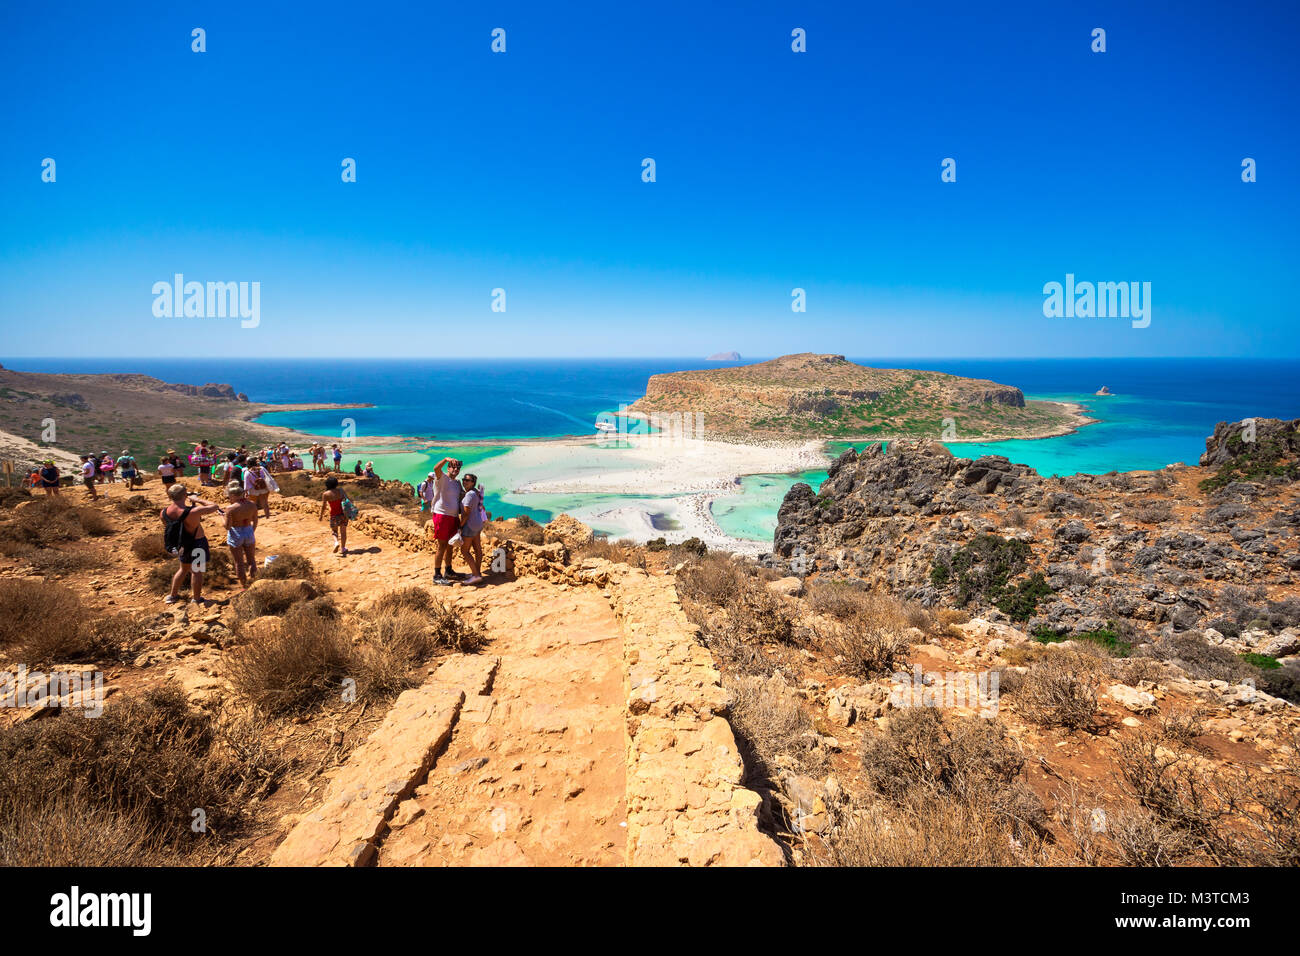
{"x":357,"y":470}
{"x":50,"y":478}
{"x":88,"y":472}
{"x":338,"y":458}
{"x":370,"y":470}
{"x":130,"y":470}
{"x":167,"y":471}
{"x":107,"y":468}
{"x":445,"y":495}
{"x":332,"y":500}
{"x":472,"y":518}
{"x":190,"y":541}
{"x":259,"y":484}
{"x":241,"y":530}
{"x":202,"y":459}
{"x":424,"y":492}
{"x":231,"y":470}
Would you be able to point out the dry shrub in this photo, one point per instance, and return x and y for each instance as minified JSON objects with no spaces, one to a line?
{"x":1060,"y":690}
{"x":732,"y":605}
{"x":134,"y":504}
{"x":969,"y":762}
{"x":1198,"y":657}
{"x":864,"y":651}
{"x":447,"y":629}
{"x":51,"y":560}
{"x":404,"y":599}
{"x":1181,"y":726}
{"x":1229,"y":816}
{"x":1140,"y":839}
{"x":403,"y":629}
{"x":1137,"y":670}
{"x":45,"y":623}
{"x":38,"y":828}
{"x":619,"y":552}
{"x":1015,"y":518}
{"x":773,"y":730}
{"x":520,"y":528}
{"x":44,"y":521}
{"x":270,"y":598}
{"x":149,"y":547}
{"x":143,"y":766}
{"x":715,"y":579}
{"x":30,"y":606}
{"x":94,"y":523}
{"x":396,"y":641}
{"x":922,"y":830}
{"x":1127,"y":835}
{"x":288,"y":566}
{"x":295,"y":666}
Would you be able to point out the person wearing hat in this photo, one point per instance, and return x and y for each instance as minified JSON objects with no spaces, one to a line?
{"x":425,"y":491}
{"x":50,"y":477}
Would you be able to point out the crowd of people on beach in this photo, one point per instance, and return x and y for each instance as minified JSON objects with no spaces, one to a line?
{"x":455,"y":503}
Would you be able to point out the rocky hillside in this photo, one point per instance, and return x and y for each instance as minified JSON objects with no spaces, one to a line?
{"x":108,"y":412}
{"x":1135,"y":557}
{"x":808,"y":396}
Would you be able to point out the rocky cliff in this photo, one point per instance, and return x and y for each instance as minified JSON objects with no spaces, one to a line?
{"x":1143,"y":552}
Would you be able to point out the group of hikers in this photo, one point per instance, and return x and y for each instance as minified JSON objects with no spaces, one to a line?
{"x":456,"y":502}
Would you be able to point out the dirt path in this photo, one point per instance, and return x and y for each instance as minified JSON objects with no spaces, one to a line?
{"x":534,"y":773}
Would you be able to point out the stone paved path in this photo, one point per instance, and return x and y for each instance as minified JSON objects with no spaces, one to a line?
{"x":534,"y":773}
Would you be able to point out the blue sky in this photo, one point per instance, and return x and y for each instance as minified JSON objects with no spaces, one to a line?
{"x":522,"y":171}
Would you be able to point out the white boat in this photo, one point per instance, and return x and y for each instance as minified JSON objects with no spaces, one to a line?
{"x":606,"y":427}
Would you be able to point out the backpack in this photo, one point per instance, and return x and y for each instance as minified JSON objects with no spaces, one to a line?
{"x":260,"y":486}
{"x":174,"y":532}
{"x":349,"y":509}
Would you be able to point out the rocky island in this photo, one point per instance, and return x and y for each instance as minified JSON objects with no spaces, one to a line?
{"x":807,"y":396}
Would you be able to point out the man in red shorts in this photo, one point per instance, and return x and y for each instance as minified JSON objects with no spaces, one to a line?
{"x":444,"y":493}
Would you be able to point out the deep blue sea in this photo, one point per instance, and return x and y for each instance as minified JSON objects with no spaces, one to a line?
{"x":1161,"y":410}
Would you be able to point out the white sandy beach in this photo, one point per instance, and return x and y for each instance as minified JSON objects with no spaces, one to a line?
{"x":677,"y":478}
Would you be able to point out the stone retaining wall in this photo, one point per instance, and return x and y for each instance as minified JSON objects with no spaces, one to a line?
{"x":685,"y":802}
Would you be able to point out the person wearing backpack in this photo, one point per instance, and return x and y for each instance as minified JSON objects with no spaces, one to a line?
{"x":184,"y":537}
{"x":335,"y":499}
{"x":259,"y":484}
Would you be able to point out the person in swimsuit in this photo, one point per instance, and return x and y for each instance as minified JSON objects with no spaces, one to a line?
{"x":167,"y":472}
{"x":333,"y":501}
{"x":50,"y":477}
{"x":338,"y":458}
{"x":241,"y":530}
{"x":193,"y":554}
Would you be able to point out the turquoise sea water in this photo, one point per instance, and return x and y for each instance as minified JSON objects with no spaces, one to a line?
{"x":1161,"y":412}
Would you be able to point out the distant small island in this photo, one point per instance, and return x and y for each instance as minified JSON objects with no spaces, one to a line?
{"x":808,"y":396}
{"x":724,"y":357}
{"x":1103,"y":391}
